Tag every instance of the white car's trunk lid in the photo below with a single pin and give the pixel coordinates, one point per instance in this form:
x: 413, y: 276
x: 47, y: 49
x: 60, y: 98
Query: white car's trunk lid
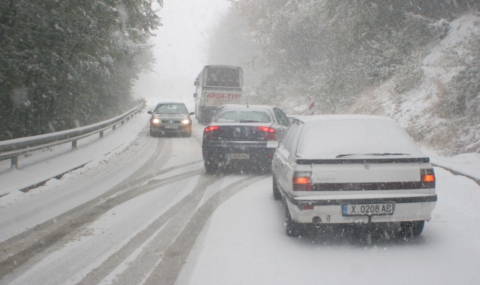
x: 365, y: 173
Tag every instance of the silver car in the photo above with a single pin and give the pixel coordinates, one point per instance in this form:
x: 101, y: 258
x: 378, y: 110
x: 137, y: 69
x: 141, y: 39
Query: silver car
x: 353, y: 170
x: 170, y: 118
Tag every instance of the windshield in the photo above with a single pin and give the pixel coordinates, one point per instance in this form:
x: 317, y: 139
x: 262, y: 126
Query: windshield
x: 222, y: 77
x: 194, y: 142
x: 171, y: 109
x: 243, y: 117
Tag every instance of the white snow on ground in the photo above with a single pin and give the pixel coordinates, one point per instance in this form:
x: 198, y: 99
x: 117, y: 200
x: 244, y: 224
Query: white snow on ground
x: 218, y: 186
x: 44, y: 164
x: 106, y: 236
x: 124, y: 265
x: 466, y: 163
x: 245, y: 243
x: 439, y: 63
x: 112, y: 160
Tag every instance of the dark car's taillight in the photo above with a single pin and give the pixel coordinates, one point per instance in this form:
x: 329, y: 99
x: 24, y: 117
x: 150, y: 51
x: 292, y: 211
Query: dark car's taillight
x: 208, y: 131
x: 301, y: 181
x: 270, y: 133
x: 428, y: 178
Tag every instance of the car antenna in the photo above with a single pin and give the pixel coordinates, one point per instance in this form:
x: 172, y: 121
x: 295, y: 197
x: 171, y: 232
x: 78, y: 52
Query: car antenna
x: 247, y: 101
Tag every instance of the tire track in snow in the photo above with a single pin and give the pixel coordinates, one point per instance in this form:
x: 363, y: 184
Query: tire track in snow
x: 162, y: 152
x: 157, y: 161
x: 54, y: 230
x: 176, y: 217
x: 90, y: 246
x: 20, y: 249
x: 173, y: 258
x: 150, y: 256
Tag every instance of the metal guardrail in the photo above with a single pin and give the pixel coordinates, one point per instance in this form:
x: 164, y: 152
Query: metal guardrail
x: 12, y: 149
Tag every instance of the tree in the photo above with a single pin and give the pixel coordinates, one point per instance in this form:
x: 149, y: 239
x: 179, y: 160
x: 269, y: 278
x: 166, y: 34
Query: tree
x: 69, y: 63
x: 332, y: 49
x: 230, y: 45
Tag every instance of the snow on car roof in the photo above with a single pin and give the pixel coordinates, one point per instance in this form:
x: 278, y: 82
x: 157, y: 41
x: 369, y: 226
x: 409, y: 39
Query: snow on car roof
x: 354, y: 136
x: 245, y: 106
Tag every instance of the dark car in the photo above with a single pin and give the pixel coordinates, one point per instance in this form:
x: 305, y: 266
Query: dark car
x: 243, y: 135
x: 170, y: 118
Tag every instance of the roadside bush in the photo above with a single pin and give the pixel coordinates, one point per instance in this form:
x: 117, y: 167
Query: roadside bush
x: 463, y: 93
x: 408, y: 76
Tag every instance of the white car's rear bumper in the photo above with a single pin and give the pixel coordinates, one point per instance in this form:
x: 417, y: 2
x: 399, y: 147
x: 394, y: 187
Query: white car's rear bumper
x: 418, y: 208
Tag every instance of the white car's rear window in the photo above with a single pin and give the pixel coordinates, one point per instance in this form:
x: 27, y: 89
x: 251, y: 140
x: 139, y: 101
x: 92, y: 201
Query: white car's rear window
x: 354, y: 138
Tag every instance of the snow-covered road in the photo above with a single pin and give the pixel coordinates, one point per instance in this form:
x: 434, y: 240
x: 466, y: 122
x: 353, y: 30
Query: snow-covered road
x: 145, y: 212
x: 245, y: 243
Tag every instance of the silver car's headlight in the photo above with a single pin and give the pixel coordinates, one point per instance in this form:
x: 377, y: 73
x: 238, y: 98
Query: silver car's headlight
x: 185, y: 121
x: 155, y: 121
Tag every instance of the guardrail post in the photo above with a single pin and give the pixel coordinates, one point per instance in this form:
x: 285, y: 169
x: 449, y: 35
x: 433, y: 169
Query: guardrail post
x: 14, y: 162
x: 122, y: 122
x: 74, y: 144
x: 114, y: 127
x: 101, y: 134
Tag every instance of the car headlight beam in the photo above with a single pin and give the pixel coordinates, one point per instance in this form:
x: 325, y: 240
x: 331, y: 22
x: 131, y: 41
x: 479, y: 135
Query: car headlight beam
x: 155, y: 121
x: 185, y: 121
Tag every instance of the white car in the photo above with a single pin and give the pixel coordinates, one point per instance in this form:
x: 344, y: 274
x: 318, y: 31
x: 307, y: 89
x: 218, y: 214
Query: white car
x: 352, y: 169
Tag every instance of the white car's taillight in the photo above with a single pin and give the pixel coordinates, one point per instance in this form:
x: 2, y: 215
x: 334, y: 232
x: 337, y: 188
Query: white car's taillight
x: 427, y: 178
x: 301, y: 181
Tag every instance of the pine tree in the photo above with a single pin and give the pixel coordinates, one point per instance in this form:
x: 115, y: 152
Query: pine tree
x: 69, y: 63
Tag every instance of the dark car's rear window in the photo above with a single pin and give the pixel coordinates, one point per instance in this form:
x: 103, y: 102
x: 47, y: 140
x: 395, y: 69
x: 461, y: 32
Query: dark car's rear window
x: 243, y: 116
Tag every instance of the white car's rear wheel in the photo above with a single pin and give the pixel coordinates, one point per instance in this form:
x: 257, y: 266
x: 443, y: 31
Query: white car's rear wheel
x: 412, y: 229
x: 293, y: 228
x: 276, y: 191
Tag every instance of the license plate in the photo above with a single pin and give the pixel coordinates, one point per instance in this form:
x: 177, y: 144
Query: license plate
x: 272, y: 144
x: 171, y: 127
x: 238, y: 156
x: 367, y: 209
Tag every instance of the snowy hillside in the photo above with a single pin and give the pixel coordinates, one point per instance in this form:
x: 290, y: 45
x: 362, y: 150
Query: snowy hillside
x: 426, y: 110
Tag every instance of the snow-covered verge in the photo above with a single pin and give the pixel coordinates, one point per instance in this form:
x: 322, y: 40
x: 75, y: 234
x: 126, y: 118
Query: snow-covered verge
x: 424, y: 110
x: 467, y: 164
x: 44, y: 164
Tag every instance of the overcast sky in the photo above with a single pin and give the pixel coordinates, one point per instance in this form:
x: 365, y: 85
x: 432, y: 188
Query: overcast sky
x: 180, y: 49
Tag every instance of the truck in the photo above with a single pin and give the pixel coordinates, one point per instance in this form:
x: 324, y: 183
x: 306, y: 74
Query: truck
x: 216, y: 85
